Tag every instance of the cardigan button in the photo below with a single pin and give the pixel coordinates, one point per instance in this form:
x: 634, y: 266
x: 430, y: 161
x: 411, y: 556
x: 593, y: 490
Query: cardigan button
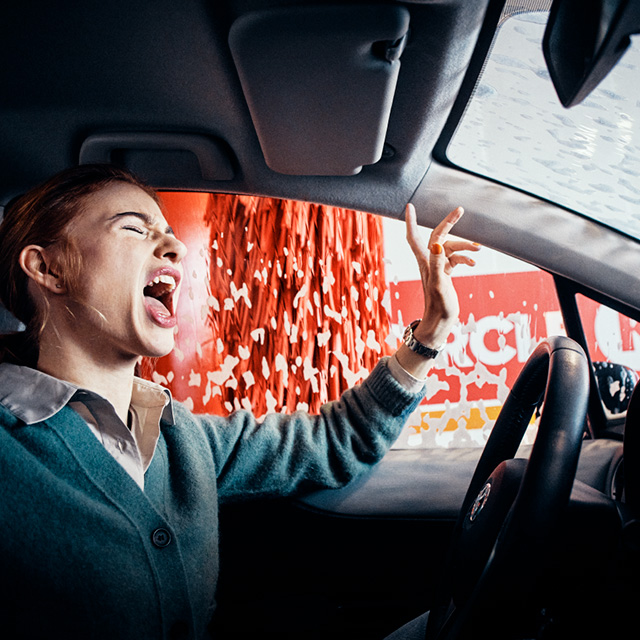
x: 161, y: 538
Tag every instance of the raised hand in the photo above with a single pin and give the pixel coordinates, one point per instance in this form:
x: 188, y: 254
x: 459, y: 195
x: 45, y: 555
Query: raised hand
x: 436, y: 262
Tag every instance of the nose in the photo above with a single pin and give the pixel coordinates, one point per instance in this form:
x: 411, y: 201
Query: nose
x: 172, y: 248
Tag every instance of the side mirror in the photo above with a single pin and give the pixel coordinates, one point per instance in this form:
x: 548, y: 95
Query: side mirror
x: 615, y: 384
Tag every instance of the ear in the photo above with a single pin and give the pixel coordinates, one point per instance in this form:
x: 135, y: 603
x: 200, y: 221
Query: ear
x: 38, y: 264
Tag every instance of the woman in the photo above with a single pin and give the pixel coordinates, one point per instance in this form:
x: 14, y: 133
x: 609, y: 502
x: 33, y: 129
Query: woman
x: 111, y: 491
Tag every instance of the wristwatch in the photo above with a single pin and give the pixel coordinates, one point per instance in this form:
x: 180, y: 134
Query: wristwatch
x: 415, y: 345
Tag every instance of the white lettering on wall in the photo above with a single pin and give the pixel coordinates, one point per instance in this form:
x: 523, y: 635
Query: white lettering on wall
x: 609, y: 338
x: 478, y: 345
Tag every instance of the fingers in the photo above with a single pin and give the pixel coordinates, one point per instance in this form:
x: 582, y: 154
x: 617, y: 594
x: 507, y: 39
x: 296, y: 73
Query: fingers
x: 453, y: 249
x: 439, y: 234
x: 452, y: 246
x: 440, y: 252
x: 417, y: 244
x: 459, y: 258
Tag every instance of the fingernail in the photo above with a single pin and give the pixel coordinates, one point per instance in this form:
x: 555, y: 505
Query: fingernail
x: 436, y: 248
x: 477, y: 244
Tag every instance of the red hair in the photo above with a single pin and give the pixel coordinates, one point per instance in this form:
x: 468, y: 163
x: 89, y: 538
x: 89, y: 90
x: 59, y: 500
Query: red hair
x: 41, y: 217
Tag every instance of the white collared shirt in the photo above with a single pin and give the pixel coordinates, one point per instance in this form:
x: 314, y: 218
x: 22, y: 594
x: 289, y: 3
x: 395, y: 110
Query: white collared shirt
x: 34, y: 396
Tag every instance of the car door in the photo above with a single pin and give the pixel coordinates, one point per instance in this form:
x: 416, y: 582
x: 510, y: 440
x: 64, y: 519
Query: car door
x: 360, y: 561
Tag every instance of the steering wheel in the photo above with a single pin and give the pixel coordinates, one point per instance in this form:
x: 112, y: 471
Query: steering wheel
x: 513, y: 505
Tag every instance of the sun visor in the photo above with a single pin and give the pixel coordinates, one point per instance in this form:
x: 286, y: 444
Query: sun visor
x: 319, y: 83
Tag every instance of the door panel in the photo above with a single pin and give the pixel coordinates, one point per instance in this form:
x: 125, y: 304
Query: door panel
x: 360, y: 561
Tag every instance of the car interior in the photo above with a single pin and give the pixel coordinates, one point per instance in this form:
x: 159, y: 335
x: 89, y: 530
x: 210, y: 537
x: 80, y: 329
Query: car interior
x: 367, y: 106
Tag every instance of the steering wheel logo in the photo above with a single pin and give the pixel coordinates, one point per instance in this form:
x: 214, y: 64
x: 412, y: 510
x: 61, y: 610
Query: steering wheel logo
x: 480, y: 501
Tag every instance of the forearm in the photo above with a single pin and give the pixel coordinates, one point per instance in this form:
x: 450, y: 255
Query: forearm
x: 285, y: 454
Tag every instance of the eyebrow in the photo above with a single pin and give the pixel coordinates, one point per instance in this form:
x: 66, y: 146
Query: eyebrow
x: 145, y: 217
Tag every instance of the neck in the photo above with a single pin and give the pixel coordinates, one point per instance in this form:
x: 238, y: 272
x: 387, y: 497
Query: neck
x: 112, y: 378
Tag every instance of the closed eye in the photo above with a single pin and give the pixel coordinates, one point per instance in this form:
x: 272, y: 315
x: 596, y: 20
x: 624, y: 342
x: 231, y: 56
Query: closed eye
x: 131, y: 227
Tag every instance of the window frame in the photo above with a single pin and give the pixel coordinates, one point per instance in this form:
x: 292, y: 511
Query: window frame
x: 598, y: 426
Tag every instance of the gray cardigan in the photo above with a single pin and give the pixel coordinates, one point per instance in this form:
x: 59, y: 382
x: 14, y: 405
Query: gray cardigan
x: 87, y: 554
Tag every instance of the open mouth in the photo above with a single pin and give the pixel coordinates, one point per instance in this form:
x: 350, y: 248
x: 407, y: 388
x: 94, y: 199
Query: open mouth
x: 158, y: 298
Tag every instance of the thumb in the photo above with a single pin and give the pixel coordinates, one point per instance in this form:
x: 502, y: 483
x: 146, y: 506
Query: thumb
x: 437, y: 260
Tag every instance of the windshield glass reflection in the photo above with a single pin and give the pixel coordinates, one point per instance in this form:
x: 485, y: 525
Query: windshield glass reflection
x: 515, y: 130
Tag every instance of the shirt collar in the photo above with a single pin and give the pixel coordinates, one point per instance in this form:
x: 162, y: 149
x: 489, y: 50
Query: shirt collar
x: 34, y: 396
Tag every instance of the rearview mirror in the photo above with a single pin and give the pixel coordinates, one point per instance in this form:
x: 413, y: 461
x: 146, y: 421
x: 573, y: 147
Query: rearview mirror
x: 583, y: 41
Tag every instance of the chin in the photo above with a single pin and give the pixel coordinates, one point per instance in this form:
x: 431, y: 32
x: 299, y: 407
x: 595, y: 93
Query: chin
x: 153, y: 341
x: 159, y: 350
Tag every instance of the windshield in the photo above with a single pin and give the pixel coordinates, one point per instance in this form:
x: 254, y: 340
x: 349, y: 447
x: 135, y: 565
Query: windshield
x: 515, y: 130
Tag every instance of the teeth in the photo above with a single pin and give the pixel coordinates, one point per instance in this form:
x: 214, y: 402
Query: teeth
x: 165, y: 279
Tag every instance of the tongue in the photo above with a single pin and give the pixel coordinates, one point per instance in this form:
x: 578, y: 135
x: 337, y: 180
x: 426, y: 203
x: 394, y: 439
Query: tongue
x: 156, y: 309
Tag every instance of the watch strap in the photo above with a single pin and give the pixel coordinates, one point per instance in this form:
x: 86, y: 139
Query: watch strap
x: 416, y: 346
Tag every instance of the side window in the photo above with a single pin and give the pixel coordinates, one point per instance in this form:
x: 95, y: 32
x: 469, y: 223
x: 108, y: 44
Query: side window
x: 284, y: 305
x: 506, y: 308
x: 614, y: 346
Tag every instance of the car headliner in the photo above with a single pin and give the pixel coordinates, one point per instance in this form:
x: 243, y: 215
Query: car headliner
x: 89, y: 80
